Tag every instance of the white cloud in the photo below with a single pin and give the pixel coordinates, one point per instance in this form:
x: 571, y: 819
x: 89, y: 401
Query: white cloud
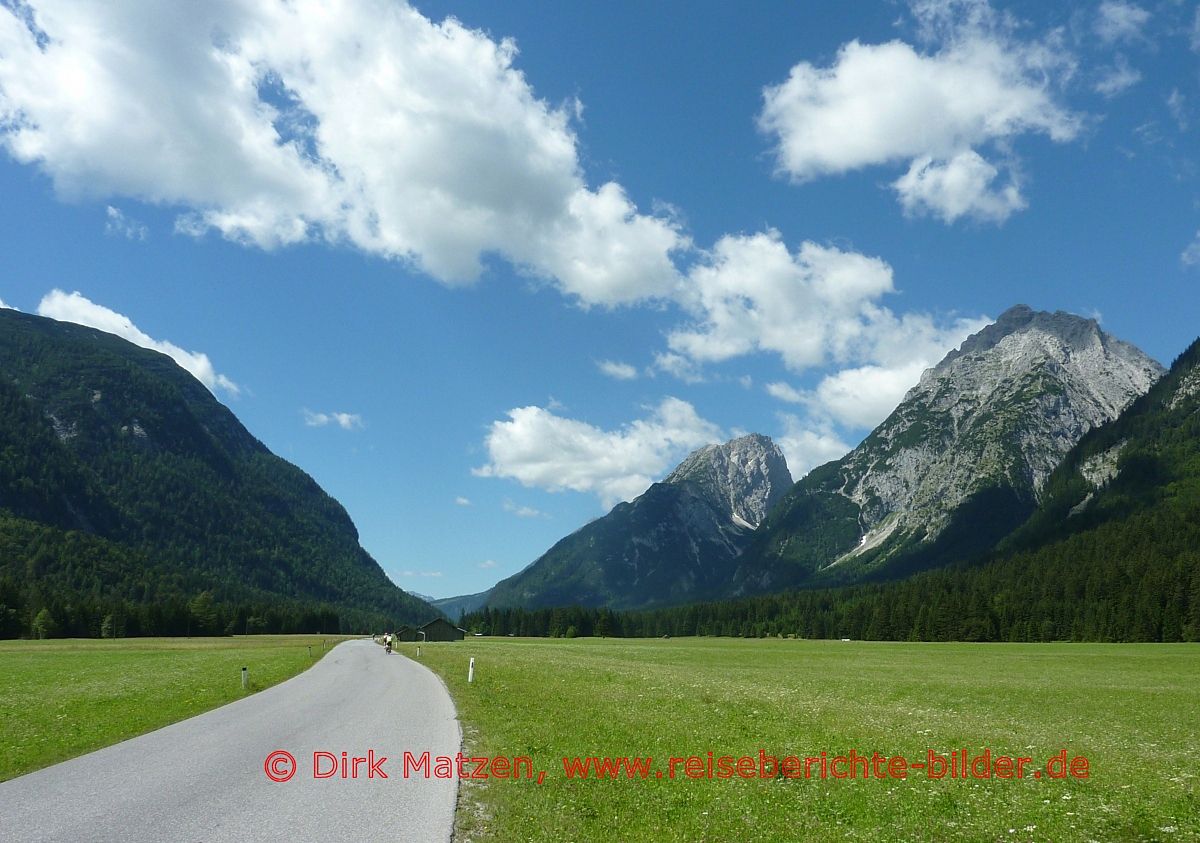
x: 785, y: 392
x: 116, y: 224
x: 346, y: 421
x: 752, y: 294
x: 411, y: 574
x: 275, y: 123
x: 1118, y: 78
x: 815, y: 308
x: 487, y: 564
x: 678, y: 366
x: 617, y: 370
x: 4, y: 306
x: 522, y: 511
x: 806, y: 445
x: 367, y: 124
x: 864, y: 396
x: 540, y: 449
x: 461, y: 501
x: 812, y: 307
x: 1120, y: 21
x: 959, y: 187
x: 1191, y: 255
x: 74, y: 307
x: 882, y: 104
x: 899, y: 350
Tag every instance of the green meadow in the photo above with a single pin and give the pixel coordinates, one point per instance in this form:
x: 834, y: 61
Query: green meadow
x: 62, y: 698
x: 1133, y: 711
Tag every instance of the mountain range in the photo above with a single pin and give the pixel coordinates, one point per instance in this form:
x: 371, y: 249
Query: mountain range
x: 128, y: 493
x: 1111, y: 552
x: 960, y: 463
x: 1043, y: 458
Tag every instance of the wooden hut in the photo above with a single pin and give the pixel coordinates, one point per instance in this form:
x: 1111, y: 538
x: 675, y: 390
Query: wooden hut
x: 442, y: 630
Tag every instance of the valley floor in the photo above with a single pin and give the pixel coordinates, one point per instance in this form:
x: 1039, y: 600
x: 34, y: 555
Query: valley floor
x: 1129, y: 710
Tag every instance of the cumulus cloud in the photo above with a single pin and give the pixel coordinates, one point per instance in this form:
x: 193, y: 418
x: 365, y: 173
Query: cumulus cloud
x: 752, y: 294
x: 806, y: 445
x: 964, y: 186
x: 864, y: 396
x: 77, y: 308
x: 274, y: 123
x: 487, y: 564
x: 346, y: 421
x: 370, y: 125
x: 461, y: 501
x: 1120, y: 21
x: 543, y: 450
x: 882, y: 104
x: 893, y: 352
x: 4, y: 306
x: 116, y: 224
x: 616, y: 370
x: 857, y: 397
x: 812, y: 307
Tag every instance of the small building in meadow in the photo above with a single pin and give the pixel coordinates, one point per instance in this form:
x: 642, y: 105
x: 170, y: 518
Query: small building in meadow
x: 406, y: 633
x: 442, y: 630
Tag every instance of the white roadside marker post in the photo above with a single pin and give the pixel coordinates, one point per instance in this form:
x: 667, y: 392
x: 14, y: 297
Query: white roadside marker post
x: 471, y: 670
x: 245, y: 676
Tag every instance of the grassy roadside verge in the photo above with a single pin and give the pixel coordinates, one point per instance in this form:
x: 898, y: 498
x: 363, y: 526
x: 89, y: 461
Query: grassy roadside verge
x: 62, y: 698
x: 1131, y: 710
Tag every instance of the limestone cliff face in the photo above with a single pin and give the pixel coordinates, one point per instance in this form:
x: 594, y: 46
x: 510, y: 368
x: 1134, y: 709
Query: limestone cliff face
x: 973, y: 441
x: 746, y: 477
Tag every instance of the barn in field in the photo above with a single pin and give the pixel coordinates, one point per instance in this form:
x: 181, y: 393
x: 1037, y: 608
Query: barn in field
x: 442, y: 630
x: 406, y: 633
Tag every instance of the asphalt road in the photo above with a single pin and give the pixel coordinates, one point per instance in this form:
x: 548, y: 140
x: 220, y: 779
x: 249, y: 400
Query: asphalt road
x: 203, y: 779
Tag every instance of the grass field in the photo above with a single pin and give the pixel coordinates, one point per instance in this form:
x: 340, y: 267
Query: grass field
x: 1132, y: 710
x: 62, y: 698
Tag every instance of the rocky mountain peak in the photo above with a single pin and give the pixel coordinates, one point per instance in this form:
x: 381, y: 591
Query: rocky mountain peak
x: 962, y: 460
x: 1003, y: 407
x: 677, y: 542
x: 745, y: 477
x: 1107, y: 372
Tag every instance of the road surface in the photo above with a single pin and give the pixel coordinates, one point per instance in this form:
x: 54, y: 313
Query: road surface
x: 203, y: 779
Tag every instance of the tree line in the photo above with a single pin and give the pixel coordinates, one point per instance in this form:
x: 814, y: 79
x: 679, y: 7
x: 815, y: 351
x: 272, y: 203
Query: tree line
x: 1136, y: 581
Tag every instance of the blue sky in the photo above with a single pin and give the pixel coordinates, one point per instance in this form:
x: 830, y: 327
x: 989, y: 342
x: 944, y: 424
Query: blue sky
x: 485, y: 269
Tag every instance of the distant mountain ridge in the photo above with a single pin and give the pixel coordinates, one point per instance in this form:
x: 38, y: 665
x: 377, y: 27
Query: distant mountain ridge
x: 455, y: 607
x: 125, y: 486
x: 959, y: 463
x: 674, y: 543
